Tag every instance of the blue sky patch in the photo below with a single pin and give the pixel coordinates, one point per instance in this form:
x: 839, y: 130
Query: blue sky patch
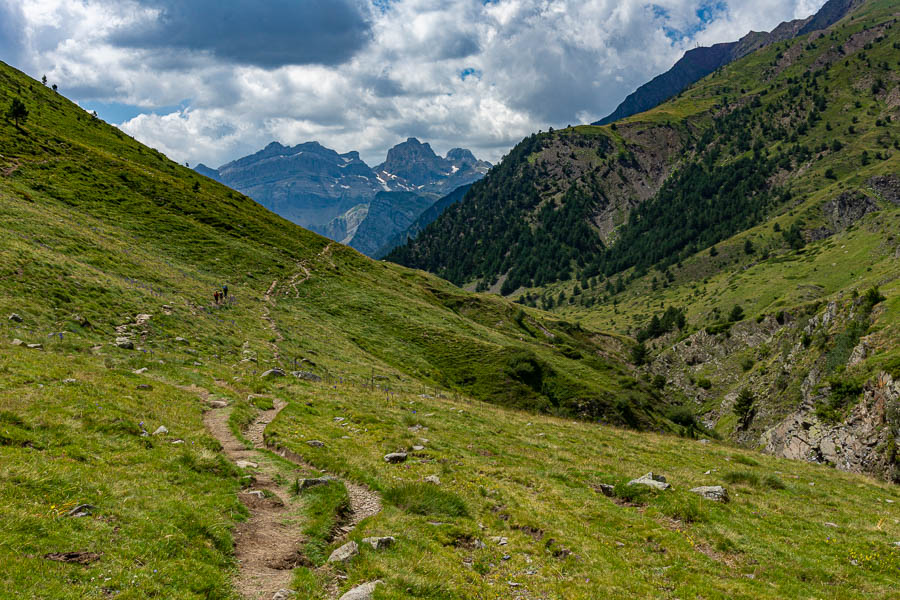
x: 118, y: 112
x: 470, y: 72
x: 706, y: 14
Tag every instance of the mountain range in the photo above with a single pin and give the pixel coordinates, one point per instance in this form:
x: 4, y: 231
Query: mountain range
x: 334, y: 194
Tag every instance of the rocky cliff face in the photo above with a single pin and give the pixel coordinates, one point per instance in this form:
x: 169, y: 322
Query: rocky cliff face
x: 322, y: 190
x: 388, y: 214
x: 307, y: 184
x: 797, y: 412
x: 414, y: 167
x: 864, y: 442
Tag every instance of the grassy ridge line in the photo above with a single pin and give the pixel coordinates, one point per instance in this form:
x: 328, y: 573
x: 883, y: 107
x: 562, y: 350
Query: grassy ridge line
x: 532, y: 480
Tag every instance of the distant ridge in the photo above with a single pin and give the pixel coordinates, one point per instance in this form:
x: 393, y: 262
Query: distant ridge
x: 700, y: 62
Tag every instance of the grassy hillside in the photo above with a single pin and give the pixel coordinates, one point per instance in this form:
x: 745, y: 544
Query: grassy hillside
x: 102, y: 239
x: 121, y: 231
x: 104, y: 243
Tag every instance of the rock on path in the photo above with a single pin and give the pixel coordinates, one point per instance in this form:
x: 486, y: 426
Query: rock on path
x: 362, y: 592
x: 344, y: 553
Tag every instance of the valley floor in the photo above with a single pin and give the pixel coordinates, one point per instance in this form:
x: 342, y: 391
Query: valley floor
x: 514, y: 505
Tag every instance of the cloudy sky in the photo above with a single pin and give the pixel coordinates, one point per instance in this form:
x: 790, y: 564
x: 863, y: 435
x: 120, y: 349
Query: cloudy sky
x: 212, y: 80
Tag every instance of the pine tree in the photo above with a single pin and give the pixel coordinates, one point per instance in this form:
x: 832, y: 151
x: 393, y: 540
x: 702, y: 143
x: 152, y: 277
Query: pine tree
x: 17, y: 112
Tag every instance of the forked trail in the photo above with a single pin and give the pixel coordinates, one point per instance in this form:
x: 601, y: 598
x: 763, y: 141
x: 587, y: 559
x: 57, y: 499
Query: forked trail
x: 269, y: 544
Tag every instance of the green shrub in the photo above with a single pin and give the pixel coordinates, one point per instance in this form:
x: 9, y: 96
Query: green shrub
x: 742, y: 477
x: 744, y: 460
x: 682, y: 416
x: 743, y: 405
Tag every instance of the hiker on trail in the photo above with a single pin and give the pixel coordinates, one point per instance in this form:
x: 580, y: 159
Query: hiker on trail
x: 216, y: 296
x: 225, y: 291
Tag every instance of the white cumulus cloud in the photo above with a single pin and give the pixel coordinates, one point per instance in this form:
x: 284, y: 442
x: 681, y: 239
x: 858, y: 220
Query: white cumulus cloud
x: 480, y: 74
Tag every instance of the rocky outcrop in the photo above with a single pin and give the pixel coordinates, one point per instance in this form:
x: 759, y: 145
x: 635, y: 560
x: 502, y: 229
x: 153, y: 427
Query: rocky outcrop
x: 847, y: 209
x: 651, y: 480
x: 343, y: 227
x: 786, y: 360
x: 887, y: 187
x: 716, y: 493
x: 413, y: 166
x: 864, y: 443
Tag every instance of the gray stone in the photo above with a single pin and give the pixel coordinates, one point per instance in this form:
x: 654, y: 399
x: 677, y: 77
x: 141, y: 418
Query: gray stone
x: 140, y: 371
x: 246, y: 464
x: 217, y: 404
x: 124, y: 343
x: 18, y: 342
x: 650, y: 480
x: 395, y: 457
x: 144, y: 386
x: 305, y: 484
x: 379, y: 542
x: 418, y: 448
x: 306, y: 375
x: 607, y: 490
x: 315, y: 443
x: 16, y: 318
x: 70, y: 380
x: 36, y: 346
x: 433, y: 479
x: 500, y: 540
x: 161, y: 430
x: 82, y: 510
x: 362, y: 592
x: 828, y: 524
x: 284, y: 594
x: 272, y: 373
x: 712, y: 492
x: 344, y: 553
x: 181, y: 340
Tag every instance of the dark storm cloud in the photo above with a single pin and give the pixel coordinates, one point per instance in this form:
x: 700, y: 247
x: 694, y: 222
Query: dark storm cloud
x: 267, y: 34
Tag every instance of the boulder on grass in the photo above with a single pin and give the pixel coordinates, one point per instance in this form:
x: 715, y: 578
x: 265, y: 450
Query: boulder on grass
x: 651, y: 480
